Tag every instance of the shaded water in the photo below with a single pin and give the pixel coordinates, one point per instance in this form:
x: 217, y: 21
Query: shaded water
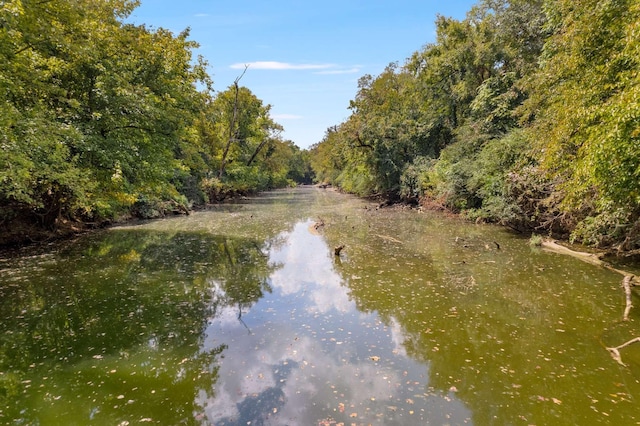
x: 243, y: 315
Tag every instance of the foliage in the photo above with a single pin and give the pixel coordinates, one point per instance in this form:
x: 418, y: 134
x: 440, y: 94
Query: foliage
x: 467, y: 81
x: 415, y: 178
x: 524, y: 113
x: 587, y: 114
x: 490, y: 178
x: 101, y: 118
x: 535, y: 240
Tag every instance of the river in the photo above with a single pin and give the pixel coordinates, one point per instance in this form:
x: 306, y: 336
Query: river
x: 243, y: 315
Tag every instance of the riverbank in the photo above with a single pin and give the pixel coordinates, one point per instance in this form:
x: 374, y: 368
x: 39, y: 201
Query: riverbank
x: 27, y: 232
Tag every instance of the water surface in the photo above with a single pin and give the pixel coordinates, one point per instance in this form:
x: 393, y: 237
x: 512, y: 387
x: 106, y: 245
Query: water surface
x: 242, y: 314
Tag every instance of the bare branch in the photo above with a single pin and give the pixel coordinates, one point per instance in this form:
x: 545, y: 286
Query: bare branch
x: 237, y: 80
x: 615, y: 352
x: 232, y: 124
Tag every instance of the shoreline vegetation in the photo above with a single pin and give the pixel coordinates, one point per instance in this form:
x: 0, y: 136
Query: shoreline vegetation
x: 102, y: 120
x: 525, y: 114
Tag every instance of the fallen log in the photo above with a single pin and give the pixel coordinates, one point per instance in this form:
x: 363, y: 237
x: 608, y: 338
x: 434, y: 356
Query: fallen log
x: 554, y: 247
x: 592, y: 258
x: 627, y: 283
x: 615, y: 352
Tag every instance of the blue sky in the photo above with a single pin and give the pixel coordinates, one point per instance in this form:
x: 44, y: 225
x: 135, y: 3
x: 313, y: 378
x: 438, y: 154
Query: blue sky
x: 304, y: 57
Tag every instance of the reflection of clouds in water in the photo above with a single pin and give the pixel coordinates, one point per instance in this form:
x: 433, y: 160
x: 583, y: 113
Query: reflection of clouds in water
x: 294, y: 378
x: 298, y: 365
x: 307, y: 265
x: 397, y: 337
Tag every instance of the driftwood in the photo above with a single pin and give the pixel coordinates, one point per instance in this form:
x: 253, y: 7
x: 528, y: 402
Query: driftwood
x: 316, y: 226
x: 615, y: 352
x: 592, y: 258
x: 627, y: 283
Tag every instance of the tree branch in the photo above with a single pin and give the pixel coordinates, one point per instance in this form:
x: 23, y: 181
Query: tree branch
x: 258, y: 149
x: 615, y: 352
x: 232, y: 124
x: 361, y: 143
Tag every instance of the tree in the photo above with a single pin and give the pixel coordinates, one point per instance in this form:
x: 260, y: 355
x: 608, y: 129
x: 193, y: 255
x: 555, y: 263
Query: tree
x: 41, y: 173
x: 244, y: 125
x: 586, y: 111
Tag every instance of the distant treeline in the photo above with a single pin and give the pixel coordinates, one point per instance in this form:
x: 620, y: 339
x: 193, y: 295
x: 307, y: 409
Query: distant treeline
x: 525, y: 113
x: 101, y: 119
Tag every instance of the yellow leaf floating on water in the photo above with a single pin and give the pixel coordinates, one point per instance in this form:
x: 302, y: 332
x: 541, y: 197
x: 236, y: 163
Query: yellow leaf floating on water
x: 556, y: 401
x: 374, y: 358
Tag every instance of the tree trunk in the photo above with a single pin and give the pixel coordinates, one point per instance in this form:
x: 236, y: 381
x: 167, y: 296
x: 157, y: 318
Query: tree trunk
x: 232, y: 125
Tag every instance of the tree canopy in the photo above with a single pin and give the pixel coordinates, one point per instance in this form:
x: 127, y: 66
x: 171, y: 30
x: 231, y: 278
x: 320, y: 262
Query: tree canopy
x: 525, y: 113
x: 100, y: 118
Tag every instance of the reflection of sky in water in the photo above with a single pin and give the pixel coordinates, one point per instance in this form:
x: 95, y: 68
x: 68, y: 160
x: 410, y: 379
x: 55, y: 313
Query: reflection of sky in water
x: 308, y: 268
x: 304, y: 355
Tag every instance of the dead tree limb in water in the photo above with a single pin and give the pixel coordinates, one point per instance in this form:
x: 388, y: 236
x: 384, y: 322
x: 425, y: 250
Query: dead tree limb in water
x: 627, y: 283
x: 591, y: 258
x: 316, y: 226
x: 615, y: 352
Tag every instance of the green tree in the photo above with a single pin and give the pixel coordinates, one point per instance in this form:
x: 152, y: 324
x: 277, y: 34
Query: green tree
x: 41, y: 176
x: 93, y: 109
x: 587, y: 112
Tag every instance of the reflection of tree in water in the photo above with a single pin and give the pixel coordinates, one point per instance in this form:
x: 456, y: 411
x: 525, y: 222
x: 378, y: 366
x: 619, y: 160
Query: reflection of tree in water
x: 115, y: 318
x: 242, y: 279
x: 489, y: 344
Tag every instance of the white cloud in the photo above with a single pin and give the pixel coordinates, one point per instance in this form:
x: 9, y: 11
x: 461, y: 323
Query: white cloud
x: 201, y: 15
x: 286, y: 117
x: 275, y: 65
x: 342, y: 71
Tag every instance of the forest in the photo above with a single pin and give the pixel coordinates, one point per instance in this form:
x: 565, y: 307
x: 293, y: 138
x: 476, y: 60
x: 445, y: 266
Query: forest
x: 102, y: 120
x: 526, y: 113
